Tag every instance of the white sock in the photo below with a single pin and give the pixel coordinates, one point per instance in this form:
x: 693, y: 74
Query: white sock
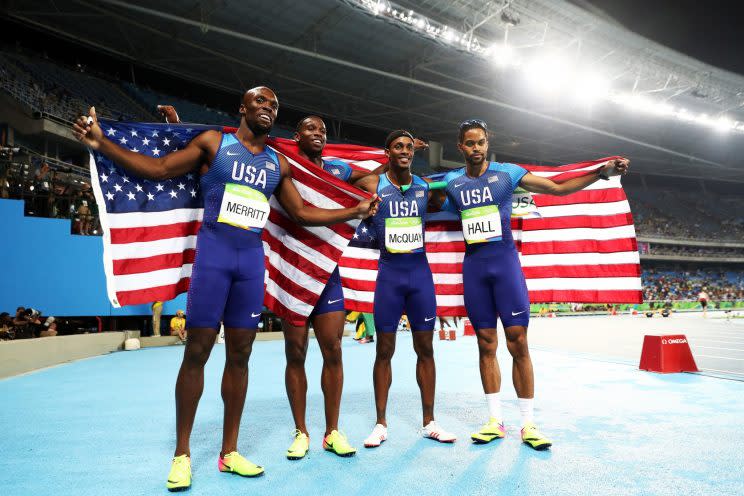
x: 494, y: 405
x: 526, y: 410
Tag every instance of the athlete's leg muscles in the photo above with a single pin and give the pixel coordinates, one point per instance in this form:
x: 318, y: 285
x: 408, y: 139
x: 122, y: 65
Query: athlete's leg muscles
x: 329, y: 329
x: 383, y: 373
x: 295, y: 379
x: 426, y: 374
x: 238, y: 346
x: 190, y: 383
x: 522, y: 374
x: 489, y: 366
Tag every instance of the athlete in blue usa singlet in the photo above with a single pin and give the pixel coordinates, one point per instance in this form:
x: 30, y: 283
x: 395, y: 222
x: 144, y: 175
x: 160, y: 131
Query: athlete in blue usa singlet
x: 227, y: 281
x: 404, y: 282
x: 238, y: 175
x: 494, y: 284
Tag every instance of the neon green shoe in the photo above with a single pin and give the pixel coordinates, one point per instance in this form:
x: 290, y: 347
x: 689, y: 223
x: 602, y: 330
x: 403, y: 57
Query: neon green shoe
x: 494, y: 429
x: 236, y: 464
x: 335, y: 442
x: 179, y: 478
x: 534, y: 439
x: 299, y: 447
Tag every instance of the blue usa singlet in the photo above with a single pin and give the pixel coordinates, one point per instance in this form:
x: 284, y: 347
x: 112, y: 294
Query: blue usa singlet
x: 227, y: 279
x: 493, y: 281
x: 404, y: 279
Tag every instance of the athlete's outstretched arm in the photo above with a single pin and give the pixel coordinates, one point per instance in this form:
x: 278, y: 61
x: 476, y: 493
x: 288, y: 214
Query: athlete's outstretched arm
x: 292, y: 202
x: 537, y: 184
x: 358, y: 175
x: 200, y: 150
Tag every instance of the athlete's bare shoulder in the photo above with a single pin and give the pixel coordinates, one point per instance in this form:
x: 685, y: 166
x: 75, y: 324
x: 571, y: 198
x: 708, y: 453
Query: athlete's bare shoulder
x: 283, y: 165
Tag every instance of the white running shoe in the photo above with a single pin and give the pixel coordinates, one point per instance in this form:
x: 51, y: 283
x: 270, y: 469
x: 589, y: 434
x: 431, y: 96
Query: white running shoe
x: 377, y: 437
x: 435, y: 432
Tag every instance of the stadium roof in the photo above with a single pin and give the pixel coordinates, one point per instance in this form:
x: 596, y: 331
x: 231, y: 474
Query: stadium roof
x: 355, y: 60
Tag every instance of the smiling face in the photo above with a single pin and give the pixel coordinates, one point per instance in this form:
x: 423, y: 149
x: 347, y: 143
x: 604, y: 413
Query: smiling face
x: 259, y: 109
x: 474, y: 146
x: 400, y: 152
x: 311, y: 135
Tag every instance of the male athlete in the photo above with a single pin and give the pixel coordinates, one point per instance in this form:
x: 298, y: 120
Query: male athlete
x: 327, y: 319
x: 404, y: 282
x: 328, y: 316
x: 238, y: 175
x: 494, y: 284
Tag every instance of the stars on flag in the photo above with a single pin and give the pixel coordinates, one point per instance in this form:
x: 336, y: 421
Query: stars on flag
x: 122, y: 190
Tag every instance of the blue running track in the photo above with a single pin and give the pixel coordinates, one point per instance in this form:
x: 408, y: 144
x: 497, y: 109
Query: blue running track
x: 105, y: 426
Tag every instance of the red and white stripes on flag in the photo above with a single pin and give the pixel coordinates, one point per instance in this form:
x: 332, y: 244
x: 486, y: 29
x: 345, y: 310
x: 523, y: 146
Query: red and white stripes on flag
x: 300, y: 259
x: 582, y: 249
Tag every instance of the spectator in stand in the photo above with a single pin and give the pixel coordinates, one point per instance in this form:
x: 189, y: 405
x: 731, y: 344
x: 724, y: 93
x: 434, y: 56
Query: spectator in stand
x: 157, y: 312
x: 50, y: 328
x: 178, y: 326
x: 6, y: 326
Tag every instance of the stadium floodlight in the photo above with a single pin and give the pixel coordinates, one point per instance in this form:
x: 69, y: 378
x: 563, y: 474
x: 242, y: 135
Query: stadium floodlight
x: 549, y: 73
x: 503, y: 55
x: 421, y: 24
x: 589, y: 87
x: 723, y: 124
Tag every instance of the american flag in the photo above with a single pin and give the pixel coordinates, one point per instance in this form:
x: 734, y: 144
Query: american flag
x: 581, y: 248
x: 149, y: 227
x: 150, y: 233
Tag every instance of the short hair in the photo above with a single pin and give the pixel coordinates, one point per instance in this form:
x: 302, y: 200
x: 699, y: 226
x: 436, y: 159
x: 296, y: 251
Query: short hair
x: 397, y: 134
x: 471, y: 124
x: 301, y: 121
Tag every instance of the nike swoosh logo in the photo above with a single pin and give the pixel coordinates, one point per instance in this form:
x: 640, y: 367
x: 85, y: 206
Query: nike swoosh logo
x: 255, y: 314
x: 331, y: 302
x: 232, y: 154
x: 430, y: 318
x: 515, y: 314
x: 458, y: 185
x: 385, y: 196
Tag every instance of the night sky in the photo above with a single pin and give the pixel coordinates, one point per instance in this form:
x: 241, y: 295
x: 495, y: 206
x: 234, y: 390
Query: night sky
x: 709, y: 30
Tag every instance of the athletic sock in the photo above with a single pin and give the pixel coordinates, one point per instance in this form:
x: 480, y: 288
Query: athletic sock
x: 526, y: 410
x: 494, y: 405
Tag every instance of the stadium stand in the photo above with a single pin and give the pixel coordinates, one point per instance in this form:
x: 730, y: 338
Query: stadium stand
x: 679, y: 283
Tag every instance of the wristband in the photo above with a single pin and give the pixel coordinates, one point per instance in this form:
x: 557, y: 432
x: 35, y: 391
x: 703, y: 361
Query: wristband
x: 432, y: 185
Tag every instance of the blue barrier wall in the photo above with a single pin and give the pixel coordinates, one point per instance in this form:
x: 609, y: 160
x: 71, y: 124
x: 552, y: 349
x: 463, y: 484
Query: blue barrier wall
x: 47, y: 268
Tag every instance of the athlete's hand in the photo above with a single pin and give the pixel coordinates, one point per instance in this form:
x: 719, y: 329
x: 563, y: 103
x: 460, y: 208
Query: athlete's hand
x: 419, y: 144
x: 87, y: 131
x: 368, y: 208
x: 170, y: 114
x: 617, y: 167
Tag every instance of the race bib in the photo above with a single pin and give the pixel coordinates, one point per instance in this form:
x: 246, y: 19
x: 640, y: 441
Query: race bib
x: 523, y: 205
x: 243, y: 207
x: 404, y: 234
x: 481, y: 224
